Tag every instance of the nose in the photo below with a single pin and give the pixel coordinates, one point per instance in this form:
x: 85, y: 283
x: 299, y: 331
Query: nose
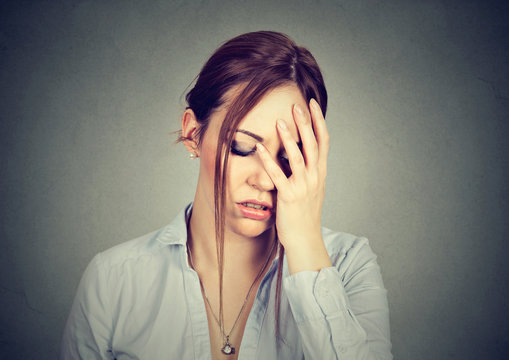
x: 259, y: 179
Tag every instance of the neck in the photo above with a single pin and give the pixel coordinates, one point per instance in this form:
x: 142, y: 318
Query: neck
x: 240, y: 252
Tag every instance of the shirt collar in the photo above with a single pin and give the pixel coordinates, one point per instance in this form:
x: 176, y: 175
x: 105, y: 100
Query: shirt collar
x: 176, y: 232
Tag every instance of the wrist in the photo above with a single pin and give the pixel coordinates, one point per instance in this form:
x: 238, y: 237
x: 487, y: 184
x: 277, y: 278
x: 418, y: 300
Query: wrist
x: 307, y: 256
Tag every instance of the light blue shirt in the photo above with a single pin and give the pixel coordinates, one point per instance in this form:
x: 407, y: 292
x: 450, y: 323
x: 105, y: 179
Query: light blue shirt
x: 142, y: 300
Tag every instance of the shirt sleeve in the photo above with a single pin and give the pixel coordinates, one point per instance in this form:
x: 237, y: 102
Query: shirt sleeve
x: 341, y: 311
x: 88, y: 328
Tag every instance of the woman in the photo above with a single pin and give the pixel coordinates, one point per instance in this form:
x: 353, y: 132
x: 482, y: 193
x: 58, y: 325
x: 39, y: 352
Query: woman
x: 212, y: 284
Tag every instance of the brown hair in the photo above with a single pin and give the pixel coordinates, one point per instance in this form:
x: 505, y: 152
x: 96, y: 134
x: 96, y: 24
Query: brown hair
x: 255, y: 62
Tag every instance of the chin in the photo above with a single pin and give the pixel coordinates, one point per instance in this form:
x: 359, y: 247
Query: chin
x: 251, y: 228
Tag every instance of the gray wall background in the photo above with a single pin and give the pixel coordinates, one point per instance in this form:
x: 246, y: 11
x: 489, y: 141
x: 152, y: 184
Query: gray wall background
x: 419, y: 104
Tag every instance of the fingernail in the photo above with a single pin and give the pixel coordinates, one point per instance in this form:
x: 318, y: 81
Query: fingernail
x: 314, y: 103
x: 260, y: 147
x: 302, y: 118
x: 281, y: 123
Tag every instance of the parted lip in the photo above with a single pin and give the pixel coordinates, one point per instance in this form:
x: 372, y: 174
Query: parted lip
x: 257, y: 202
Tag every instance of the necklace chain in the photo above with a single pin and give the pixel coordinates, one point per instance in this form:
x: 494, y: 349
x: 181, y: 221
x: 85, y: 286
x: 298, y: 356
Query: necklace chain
x: 221, y: 326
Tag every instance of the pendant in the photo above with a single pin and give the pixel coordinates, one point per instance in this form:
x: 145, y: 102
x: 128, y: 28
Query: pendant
x: 227, y: 348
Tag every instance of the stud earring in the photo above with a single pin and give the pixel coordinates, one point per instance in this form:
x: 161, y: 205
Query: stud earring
x: 193, y: 156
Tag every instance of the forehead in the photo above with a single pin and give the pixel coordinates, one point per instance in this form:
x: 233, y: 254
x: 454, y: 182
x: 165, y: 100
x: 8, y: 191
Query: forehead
x: 276, y: 104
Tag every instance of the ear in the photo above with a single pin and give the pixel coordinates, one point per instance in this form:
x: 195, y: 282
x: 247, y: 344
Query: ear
x: 190, y: 126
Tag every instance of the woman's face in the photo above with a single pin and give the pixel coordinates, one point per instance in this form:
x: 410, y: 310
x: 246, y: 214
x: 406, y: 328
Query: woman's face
x: 248, y: 186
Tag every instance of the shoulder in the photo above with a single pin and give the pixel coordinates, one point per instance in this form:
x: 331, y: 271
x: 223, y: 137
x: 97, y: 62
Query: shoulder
x: 145, y: 246
x: 131, y: 267
x: 154, y: 248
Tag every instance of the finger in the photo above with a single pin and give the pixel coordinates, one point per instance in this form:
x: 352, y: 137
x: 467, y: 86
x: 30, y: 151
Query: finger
x: 293, y: 152
x: 277, y: 175
x: 307, y: 135
x: 322, y: 135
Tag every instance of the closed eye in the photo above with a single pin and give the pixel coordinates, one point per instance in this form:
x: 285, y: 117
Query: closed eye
x: 236, y: 149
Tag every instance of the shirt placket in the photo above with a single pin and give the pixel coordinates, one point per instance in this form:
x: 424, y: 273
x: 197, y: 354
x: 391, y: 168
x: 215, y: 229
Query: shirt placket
x: 251, y: 336
x: 197, y: 311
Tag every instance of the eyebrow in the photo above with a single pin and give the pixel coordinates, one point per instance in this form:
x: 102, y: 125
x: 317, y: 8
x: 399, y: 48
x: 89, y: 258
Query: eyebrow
x: 259, y: 138
x: 256, y: 137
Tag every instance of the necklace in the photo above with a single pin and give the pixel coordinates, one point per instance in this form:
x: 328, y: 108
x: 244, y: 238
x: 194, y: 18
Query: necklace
x: 227, y: 348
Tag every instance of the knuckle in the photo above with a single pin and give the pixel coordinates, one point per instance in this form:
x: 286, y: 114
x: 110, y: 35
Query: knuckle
x: 276, y: 175
x: 314, y: 146
x: 313, y: 181
x: 298, y: 160
x: 290, y: 197
x: 273, y: 170
x: 326, y: 138
x: 304, y: 119
x: 279, y: 177
x: 285, y: 196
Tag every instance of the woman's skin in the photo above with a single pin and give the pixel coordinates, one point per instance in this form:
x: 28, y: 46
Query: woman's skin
x: 267, y: 165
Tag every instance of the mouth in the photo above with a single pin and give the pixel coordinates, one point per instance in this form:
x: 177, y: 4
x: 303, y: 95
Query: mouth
x: 254, y: 206
x: 255, y: 210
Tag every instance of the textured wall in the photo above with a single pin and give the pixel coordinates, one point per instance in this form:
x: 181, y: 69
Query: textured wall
x: 419, y: 105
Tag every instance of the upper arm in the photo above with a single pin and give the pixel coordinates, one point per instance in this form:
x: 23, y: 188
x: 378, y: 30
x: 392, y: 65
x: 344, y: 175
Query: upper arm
x: 87, y: 333
x: 367, y: 295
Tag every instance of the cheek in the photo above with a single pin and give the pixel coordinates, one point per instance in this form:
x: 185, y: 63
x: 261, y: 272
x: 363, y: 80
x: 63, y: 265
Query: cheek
x: 233, y: 172
x: 239, y: 169
x: 208, y: 161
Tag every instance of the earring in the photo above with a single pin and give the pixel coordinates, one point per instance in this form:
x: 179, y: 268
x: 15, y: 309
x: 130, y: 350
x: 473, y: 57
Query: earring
x: 193, y: 156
